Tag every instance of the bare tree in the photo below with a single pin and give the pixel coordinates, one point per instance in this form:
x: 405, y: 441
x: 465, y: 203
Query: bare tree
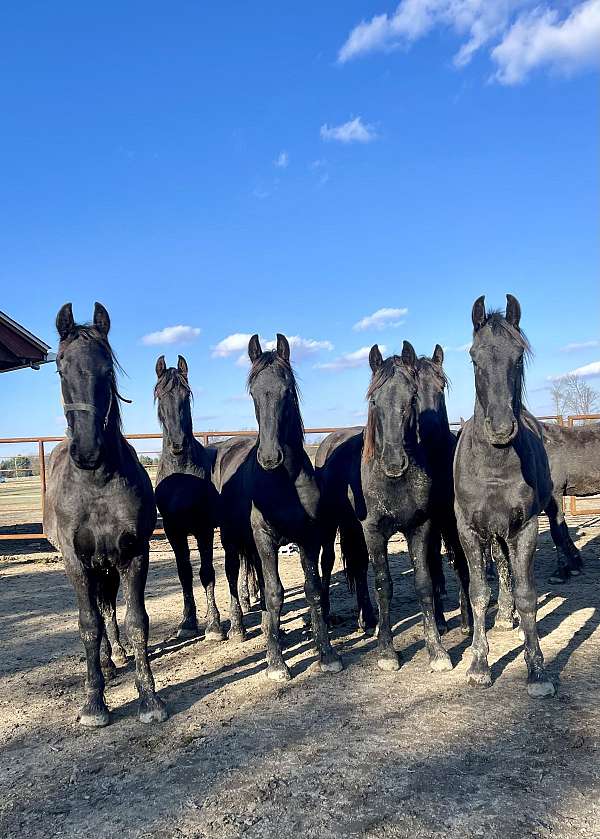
x: 571, y: 394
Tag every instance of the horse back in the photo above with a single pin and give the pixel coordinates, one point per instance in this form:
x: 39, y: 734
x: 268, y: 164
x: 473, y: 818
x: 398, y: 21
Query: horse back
x: 574, y: 458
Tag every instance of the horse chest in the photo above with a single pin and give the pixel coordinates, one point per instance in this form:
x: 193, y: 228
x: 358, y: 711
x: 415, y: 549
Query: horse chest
x: 499, y: 508
x: 101, y: 527
x: 404, y: 503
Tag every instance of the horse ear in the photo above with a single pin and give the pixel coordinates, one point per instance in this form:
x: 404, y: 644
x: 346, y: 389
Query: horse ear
x: 65, y: 322
x: 283, y: 347
x: 478, y: 313
x: 438, y: 355
x: 254, y: 348
x: 161, y: 366
x: 409, y: 356
x: 101, y: 319
x: 375, y: 358
x: 513, y: 310
x: 182, y: 366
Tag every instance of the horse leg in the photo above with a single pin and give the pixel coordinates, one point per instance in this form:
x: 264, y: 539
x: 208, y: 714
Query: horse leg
x: 151, y: 707
x: 243, y: 586
x: 436, y: 571
x: 237, y: 632
x: 568, y: 558
x: 266, y: 544
x: 94, y: 712
x: 505, y: 616
x: 188, y: 628
x: 458, y: 561
x: 387, y: 657
x: 213, y: 631
x: 521, y: 550
x: 420, y: 547
x: 478, y: 672
x: 327, y: 563
x: 309, y: 556
x: 108, y: 606
x: 356, y: 558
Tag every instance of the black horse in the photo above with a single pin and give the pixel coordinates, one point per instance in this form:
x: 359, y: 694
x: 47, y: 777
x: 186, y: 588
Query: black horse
x: 185, y: 494
x: 502, y: 483
x: 100, y: 510
x: 378, y: 482
x: 440, y: 443
x: 574, y: 457
x: 269, y: 497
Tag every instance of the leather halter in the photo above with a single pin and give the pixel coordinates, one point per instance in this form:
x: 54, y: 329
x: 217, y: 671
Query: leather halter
x: 91, y: 409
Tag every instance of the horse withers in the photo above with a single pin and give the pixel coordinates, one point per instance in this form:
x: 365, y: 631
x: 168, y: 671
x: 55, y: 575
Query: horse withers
x: 502, y: 483
x: 185, y: 495
x: 269, y: 497
x: 100, y: 511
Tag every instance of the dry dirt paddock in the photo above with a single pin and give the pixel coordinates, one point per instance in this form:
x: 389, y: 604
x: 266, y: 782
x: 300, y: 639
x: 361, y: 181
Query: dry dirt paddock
x: 361, y: 754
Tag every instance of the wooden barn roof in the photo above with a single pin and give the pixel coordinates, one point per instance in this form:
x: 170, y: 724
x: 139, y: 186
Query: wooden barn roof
x: 19, y: 348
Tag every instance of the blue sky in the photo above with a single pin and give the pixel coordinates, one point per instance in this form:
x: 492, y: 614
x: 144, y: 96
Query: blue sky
x: 236, y: 168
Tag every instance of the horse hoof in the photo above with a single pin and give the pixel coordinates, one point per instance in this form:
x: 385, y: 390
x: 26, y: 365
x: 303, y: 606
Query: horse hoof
x: 236, y: 635
x: 465, y: 630
x: 504, y: 624
x: 440, y: 663
x: 479, y: 678
x: 278, y: 673
x: 119, y: 656
x: 151, y: 710
x: 576, y: 572
x: 389, y: 664
x: 539, y: 690
x: 185, y: 632
x: 334, y: 665
x: 94, y: 716
x: 214, y: 634
x: 109, y: 671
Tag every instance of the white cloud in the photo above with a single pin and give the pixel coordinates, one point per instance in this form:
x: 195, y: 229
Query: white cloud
x: 583, y: 345
x: 282, y: 161
x: 381, y: 319
x: 300, y: 347
x: 172, y: 335
x: 526, y: 33
x: 540, y: 37
x: 349, y: 360
x: 587, y: 371
x: 353, y: 131
x: 231, y: 344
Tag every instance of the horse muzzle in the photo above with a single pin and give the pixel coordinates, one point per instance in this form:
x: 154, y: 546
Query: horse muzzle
x: 502, y: 436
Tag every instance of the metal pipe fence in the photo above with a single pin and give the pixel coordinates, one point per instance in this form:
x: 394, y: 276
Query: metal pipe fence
x: 24, y: 494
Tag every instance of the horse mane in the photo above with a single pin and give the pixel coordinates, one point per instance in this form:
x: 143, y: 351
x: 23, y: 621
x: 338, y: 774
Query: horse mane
x: 268, y: 359
x: 89, y: 332
x: 498, y: 324
x: 379, y: 378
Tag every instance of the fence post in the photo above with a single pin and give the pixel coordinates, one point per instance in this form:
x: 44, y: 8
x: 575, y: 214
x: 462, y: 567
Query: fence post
x: 42, y: 476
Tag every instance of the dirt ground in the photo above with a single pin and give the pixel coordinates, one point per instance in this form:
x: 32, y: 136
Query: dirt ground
x: 359, y: 754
